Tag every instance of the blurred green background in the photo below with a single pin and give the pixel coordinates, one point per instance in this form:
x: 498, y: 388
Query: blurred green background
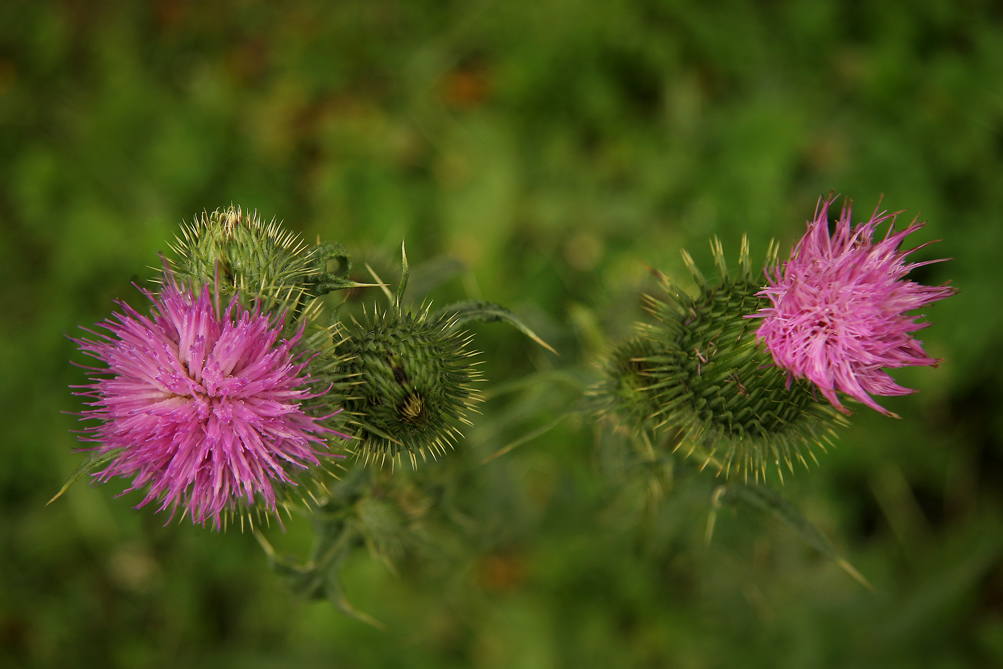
x: 554, y: 146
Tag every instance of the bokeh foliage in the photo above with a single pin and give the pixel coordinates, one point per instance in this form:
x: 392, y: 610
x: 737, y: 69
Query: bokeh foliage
x: 553, y: 146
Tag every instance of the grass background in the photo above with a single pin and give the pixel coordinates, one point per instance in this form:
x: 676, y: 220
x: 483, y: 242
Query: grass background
x: 553, y: 146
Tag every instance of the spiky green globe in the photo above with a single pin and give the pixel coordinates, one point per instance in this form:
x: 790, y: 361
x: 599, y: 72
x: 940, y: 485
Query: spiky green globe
x: 411, y: 379
x: 237, y: 252
x: 718, y: 388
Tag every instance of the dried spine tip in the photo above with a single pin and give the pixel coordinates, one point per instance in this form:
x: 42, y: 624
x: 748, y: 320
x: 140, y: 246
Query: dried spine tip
x: 411, y: 383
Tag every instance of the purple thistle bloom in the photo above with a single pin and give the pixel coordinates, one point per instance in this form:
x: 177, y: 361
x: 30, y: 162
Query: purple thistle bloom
x: 203, y: 408
x: 839, y: 308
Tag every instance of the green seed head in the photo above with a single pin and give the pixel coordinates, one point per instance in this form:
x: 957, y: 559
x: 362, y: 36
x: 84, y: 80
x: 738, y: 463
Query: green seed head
x: 720, y: 389
x: 412, y: 379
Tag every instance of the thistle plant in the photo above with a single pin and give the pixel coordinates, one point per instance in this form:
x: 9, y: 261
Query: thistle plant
x: 735, y: 370
x: 231, y: 398
x: 241, y: 391
x: 747, y: 372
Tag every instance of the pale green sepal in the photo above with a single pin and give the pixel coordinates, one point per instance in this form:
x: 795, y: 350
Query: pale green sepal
x: 405, y: 273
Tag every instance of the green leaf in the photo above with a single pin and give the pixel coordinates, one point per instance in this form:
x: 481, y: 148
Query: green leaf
x: 769, y: 501
x: 90, y: 463
x: 336, y: 595
x: 329, y: 283
x: 319, y: 578
x: 302, y: 579
x: 332, y: 251
x: 430, y: 275
x: 488, y: 312
x: 324, y: 282
x: 405, y: 273
x: 540, y: 431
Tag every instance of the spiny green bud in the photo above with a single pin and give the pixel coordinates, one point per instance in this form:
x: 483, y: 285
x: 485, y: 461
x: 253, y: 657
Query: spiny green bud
x: 411, y: 378
x: 390, y: 517
x: 241, y: 252
x: 625, y: 392
x: 717, y: 387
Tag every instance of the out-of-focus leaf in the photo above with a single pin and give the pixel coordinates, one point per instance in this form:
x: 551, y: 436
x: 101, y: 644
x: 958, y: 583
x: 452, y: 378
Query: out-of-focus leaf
x: 769, y: 501
x: 529, y: 436
x: 90, y: 463
x: 336, y: 595
x: 489, y: 312
x: 430, y: 275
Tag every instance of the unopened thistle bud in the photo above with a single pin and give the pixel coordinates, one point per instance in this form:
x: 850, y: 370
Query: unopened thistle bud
x: 716, y: 387
x: 242, y: 255
x: 411, y: 376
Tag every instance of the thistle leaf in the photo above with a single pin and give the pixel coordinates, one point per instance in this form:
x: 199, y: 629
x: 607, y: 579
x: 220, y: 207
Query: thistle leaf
x: 430, y: 275
x: 529, y: 436
x: 324, y: 282
x: 329, y: 283
x: 333, y: 251
x: 319, y: 579
x: 90, y: 463
x: 336, y: 595
x: 768, y: 501
x: 405, y: 273
x: 304, y: 580
x: 488, y: 312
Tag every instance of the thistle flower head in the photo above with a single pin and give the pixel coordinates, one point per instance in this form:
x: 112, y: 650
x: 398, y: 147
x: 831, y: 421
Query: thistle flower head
x: 413, y: 381
x: 204, y: 408
x: 716, y: 387
x: 838, y: 308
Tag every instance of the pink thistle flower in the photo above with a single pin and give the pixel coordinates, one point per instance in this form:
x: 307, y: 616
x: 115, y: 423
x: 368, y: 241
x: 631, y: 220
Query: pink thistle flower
x: 203, y: 408
x: 839, y: 308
